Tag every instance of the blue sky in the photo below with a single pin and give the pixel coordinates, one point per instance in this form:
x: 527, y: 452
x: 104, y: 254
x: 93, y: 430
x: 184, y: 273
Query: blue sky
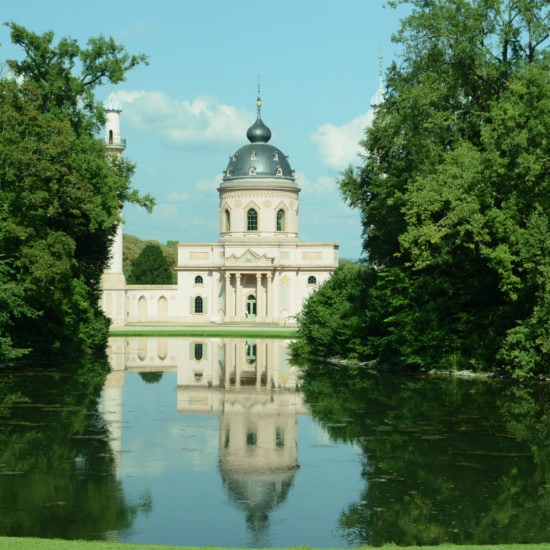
x: 188, y: 111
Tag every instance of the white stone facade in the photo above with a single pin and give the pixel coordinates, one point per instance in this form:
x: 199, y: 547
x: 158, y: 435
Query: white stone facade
x: 258, y: 272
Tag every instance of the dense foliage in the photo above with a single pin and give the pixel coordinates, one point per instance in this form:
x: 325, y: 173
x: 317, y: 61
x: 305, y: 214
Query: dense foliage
x: 454, y: 193
x: 461, y: 460
x: 61, y: 192
x: 331, y: 323
x: 151, y: 267
x: 58, y: 471
x: 133, y: 246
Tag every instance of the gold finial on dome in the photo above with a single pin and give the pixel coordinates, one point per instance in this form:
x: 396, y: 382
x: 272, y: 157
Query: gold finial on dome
x: 259, y: 132
x: 259, y: 100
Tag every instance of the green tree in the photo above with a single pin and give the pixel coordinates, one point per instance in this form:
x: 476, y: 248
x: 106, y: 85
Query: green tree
x: 151, y: 377
x: 331, y: 319
x: 454, y: 191
x: 61, y: 192
x: 60, y: 446
x: 421, y: 438
x: 132, y: 247
x: 151, y: 267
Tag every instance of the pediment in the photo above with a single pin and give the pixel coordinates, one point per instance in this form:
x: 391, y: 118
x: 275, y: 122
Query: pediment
x: 249, y: 258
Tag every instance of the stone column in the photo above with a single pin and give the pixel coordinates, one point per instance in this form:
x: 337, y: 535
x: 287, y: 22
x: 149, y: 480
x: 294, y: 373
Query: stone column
x: 260, y: 302
x: 239, y: 298
x: 228, y: 295
x: 260, y: 362
x: 112, y: 413
x: 238, y: 361
x: 229, y: 361
x: 271, y: 364
x: 270, y: 308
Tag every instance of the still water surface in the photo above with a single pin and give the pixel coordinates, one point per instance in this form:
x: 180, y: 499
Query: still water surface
x: 221, y: 442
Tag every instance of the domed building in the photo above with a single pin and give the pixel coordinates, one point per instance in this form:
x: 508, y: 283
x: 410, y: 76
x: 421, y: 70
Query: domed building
x: 258, y: 271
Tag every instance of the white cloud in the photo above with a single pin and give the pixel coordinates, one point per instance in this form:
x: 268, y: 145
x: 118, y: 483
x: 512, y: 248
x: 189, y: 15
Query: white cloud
x: 210, y: 185
x: 166, y: 212
x: 175, y: 196
x: 202, y: 120
x: 321, y: 186
x: 339, y: 145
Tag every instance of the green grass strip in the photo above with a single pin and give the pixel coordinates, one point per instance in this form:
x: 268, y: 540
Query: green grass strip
x: 207, y: 333
x: 57, y: 544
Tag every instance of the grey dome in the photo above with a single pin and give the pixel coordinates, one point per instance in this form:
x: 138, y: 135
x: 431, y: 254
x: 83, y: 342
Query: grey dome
x: 258, y: 132
x: 258, y: 159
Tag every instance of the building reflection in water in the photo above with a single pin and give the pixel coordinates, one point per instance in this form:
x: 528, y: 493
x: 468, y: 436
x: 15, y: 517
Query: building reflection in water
x: 250, y: 385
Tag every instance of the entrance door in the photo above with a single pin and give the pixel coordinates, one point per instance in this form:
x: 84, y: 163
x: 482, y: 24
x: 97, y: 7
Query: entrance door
x: 251, y: 307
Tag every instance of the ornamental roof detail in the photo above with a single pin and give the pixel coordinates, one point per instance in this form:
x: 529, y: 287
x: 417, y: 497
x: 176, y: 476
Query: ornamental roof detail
x: 249, y: 258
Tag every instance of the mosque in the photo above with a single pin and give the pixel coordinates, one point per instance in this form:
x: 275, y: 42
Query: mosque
x: 258, y: 272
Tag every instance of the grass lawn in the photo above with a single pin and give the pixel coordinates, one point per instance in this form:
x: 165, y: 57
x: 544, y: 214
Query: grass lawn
x: 206, y: 332
x: 56, y: 544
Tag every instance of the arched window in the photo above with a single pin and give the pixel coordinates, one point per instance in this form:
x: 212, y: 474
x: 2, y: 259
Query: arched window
x: 311, y: 280
x: 251, y: 438
x: 281, y: 220
x: 198, y: 304
x: 252, y: 220
x: 227, y: 220
x: 251, y: 305
x: 110, y: 137
x: 198, y: 352
x: 142, y: 307
x: 162, y: 348
x: 198, y: 280
x: 250, y: 352
x: 162, y: 307
x: 280, y: 436
x: 142, y: 349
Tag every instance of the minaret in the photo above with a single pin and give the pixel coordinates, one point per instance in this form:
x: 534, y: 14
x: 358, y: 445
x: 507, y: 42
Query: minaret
x: 113, y: 283
x: 111, y: 399
x: 378, y: 98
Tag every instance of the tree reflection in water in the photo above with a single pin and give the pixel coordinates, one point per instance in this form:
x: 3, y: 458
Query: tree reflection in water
x: 445, y: 460
x: 453, y: 460
x: 57, y: 471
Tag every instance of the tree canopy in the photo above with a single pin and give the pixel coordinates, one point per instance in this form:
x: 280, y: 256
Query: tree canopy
x: 61, y: 192
x: 133, y: 246
x: 454, y: 191
x: 151, y: 267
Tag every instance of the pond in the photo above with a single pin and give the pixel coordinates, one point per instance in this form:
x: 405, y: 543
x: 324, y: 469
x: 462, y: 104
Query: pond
x: 196, y: 441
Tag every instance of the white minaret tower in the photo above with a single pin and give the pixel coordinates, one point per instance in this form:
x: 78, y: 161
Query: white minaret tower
x: 378, y: 98
x: 113, y: 283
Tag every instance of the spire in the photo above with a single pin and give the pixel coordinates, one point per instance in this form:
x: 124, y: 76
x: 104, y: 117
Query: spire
x: 259, y: 99
x: 113, y: 103
x: 259, y: 132
x: 378, y: 98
